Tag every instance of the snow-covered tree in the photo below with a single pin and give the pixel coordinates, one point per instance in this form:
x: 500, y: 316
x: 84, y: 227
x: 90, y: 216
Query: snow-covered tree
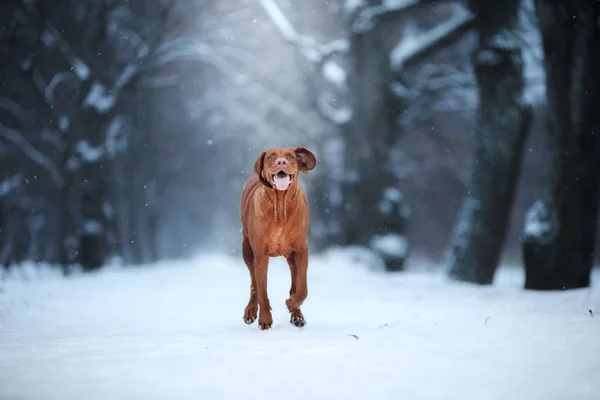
x: 68, y: 106
x: 561, y: 228
x: 380, y: 95
x: 362, y: 92
x: 503, y: 123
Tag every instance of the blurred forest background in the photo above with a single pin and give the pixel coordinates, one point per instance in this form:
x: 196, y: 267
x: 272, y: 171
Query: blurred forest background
x: 459, y: 133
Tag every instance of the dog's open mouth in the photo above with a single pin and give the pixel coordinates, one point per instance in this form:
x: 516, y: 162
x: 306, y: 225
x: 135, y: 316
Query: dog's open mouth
x: 281, y: 180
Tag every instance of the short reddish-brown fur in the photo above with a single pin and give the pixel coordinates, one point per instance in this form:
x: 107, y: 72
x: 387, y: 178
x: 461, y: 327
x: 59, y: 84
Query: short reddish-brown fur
x: 275, y: 223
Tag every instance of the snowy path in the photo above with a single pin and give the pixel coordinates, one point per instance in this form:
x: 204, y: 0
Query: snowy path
x: 175, y: 331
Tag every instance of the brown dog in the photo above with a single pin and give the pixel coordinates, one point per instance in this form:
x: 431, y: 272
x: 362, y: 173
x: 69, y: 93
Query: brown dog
x: 275, y: 221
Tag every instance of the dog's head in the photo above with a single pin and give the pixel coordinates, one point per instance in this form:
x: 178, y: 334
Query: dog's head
x: 279, y: 168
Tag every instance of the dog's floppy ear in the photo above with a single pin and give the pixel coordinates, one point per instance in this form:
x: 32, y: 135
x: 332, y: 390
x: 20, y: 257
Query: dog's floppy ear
x: 307, y: 159
x: 258, y: 169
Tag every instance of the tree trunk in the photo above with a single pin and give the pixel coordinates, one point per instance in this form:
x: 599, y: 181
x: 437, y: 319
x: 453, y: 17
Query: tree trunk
x: 503, y: 124
x: 94, y: 247
x: 69, y: 210
x: 560, y: 230
x: 368, y: 212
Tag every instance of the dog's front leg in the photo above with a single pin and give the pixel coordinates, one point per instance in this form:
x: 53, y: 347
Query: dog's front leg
x: 261, y: 267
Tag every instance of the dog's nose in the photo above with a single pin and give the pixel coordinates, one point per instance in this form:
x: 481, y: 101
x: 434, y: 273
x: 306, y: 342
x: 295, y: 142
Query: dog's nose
x: 281, y: 161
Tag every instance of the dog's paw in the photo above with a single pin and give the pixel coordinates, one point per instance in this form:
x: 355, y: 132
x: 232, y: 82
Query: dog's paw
x: 250, y: 314
x: 297, y: 319
x: 265, y: 324
x: 265, y: 321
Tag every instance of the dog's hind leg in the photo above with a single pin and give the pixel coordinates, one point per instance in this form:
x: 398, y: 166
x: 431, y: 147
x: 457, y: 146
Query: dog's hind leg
x: 296, y: 317
x: 293, y: 272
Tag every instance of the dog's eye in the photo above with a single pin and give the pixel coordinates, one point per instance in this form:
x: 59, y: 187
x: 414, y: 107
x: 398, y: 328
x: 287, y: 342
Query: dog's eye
x: 271, y: 157
x: 290, y: 157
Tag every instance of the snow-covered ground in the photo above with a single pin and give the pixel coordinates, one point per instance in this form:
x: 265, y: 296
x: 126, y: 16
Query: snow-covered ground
x: 175, y: 331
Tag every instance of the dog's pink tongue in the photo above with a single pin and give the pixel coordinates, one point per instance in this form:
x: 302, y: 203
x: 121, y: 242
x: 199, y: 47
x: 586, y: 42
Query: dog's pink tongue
x: 282, y: 182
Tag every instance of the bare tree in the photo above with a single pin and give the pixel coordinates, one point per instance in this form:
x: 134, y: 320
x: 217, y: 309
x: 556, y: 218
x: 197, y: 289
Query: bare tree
x: 375, y: 213
x: 77, y: 67
x: 561, y: 228
x: 357, y: 80
x: 503, y: 124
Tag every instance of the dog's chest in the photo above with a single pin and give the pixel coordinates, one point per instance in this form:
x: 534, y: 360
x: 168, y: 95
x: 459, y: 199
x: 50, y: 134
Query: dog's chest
x: 281, y: 239
x: 282, y: 226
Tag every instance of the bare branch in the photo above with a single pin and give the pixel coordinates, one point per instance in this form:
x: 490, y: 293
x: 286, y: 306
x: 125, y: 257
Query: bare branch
x: 280, y: 20
x: 367, y: 17
x: 195, y: 48
x: 415, y: 47
x: 54, y: 138
x: 336, y: 75
x: 116, y: 141
x: 307, y: 46
x: 192, y: 48
x: 8, y: 184
x: 189, y: 49
x: 79, y: 66
x: 14, y: 108
x: 279, y: 103
x: 436, y: 78
x: 316, y: 53
x: 89, y: 153
x: 39, y: 82
x: 104, y: 100
x: 439, y: 88
x: 55, y: 81
x: 34, y: 154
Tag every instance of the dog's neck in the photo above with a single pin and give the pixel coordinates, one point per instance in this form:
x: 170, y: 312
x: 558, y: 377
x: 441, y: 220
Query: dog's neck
x: 283, y: 201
